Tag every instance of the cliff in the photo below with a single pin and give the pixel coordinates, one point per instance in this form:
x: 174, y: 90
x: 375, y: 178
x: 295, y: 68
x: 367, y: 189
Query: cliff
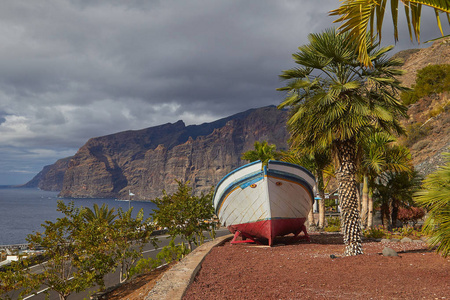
x: 51, y: 177
x: 149, y: 160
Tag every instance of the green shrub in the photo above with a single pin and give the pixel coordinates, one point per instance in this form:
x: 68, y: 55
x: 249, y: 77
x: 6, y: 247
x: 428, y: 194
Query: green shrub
x: 381, y: 232
x: 416, y: 132
x: 167, y: 254
x: 375, y: 233
x: 334, y: 221
x: 332, y: 228
x: 409, y: 97
x: 430, y: 80
x: 333, y: 224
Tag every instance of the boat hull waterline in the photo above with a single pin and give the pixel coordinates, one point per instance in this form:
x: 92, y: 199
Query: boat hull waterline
x: 265, y: 202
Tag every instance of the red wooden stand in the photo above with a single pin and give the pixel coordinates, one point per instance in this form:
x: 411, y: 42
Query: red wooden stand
x: 245, y: 238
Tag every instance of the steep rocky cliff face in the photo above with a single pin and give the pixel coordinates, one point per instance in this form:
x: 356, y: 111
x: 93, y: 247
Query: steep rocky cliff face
x: 51, y: 177
x: 147, y: 161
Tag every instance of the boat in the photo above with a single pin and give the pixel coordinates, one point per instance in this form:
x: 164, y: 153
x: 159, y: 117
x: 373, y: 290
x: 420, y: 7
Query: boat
x: 263, y: 202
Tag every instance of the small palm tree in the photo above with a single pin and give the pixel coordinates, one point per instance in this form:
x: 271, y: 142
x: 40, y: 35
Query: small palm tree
x: 263, y: 152
x: 394, y: 190
x: 435, y: 197
x: 334, y: 102
x: 359, y: 16
x: 100, y: 213
x: 380, y: 154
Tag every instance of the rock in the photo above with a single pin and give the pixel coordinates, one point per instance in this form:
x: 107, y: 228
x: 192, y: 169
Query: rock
x: 150, y: 160
x: 395, y: 240
x: 385, y: 240
x: 424, y: 239
x: 406, y: 240
x: 417, y: 241
x: 389, y: 252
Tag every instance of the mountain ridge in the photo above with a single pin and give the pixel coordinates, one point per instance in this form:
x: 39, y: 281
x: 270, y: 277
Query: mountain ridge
x: 146, y: 161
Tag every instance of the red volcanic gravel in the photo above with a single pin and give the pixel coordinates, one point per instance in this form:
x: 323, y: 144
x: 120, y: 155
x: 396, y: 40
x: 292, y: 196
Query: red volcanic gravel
x: 305, y: 270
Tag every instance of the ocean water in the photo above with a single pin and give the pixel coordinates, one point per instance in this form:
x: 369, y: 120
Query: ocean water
x: 23, y: 210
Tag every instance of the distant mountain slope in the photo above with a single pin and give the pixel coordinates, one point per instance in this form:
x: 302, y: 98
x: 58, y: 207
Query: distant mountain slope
x: 149, y: 160
x: 51, y: 177
x: 429, y: 118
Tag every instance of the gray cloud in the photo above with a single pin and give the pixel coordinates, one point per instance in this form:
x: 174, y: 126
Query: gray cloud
x: 71, y: 70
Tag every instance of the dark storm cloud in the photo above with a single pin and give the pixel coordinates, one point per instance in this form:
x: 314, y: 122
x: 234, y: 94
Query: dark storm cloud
x: 71, y: 70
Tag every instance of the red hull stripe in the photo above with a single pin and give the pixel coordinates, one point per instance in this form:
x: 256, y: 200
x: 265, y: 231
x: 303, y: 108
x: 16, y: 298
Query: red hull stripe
x: 269, y: 229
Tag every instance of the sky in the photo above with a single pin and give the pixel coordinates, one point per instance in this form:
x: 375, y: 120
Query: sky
x: 75, y: 69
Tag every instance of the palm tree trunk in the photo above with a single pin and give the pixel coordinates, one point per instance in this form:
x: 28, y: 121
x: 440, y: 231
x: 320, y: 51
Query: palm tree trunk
x: 365, y: 200
x: 321, y: 212
x: 385, y: 215
x: 348, y: 194
x: 394, y: 213
x: 370, y: 209
x: 311, y: 217
x: 322, y: 199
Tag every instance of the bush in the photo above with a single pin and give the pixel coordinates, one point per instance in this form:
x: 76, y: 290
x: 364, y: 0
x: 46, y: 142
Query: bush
x: 410, y: 214
x: 430, y: 80
x: 381, y: 232
x: 332, y: 228
x: 333, y: 224
x: 409, y: 97
x: 420, y: 145
x: 416, y: 132
x: 375, y: 233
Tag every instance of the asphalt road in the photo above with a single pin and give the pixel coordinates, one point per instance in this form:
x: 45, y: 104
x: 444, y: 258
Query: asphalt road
x: 112, y: 278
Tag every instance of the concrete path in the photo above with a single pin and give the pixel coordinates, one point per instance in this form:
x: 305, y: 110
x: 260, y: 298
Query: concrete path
x: 175, y: 282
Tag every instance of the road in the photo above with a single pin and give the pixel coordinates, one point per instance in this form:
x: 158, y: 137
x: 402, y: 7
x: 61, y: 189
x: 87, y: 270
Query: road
x: 112, y: 278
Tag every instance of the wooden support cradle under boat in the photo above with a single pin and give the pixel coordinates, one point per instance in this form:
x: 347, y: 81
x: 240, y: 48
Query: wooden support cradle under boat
x: 257, y: 201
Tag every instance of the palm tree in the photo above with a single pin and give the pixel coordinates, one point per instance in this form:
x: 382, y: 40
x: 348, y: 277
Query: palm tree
x: 263, y: 152
x: 359, y: 17
x: 395, y: 189
x: 380, y: 154
x: 335, y: 101
x: 436, y: 199
x: 317, y: 163
x: 100, y: 213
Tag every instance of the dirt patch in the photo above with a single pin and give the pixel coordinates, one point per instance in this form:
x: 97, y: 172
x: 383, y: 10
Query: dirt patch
x: 138, y: 287
x: 308, y: 271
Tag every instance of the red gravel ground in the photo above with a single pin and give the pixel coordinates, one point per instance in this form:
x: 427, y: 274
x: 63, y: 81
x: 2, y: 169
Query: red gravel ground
x: 304, y: 270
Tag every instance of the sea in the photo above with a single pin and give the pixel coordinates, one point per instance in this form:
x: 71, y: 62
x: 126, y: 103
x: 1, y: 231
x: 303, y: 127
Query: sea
x: 23, y: 210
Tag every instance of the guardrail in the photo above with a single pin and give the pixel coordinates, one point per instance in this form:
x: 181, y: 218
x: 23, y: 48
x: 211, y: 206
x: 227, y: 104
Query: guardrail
x: 15, y: 246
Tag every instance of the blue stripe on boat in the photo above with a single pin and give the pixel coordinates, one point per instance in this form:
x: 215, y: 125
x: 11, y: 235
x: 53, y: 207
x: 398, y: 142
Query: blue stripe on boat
x: 242, y: 183
x: 235, y: 170
x: 277, y: 162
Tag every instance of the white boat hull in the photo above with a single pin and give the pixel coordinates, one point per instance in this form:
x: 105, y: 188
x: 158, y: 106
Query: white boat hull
x: 265, y: 202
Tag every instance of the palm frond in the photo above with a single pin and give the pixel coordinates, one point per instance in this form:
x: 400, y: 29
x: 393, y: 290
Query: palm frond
x: 356, y: 15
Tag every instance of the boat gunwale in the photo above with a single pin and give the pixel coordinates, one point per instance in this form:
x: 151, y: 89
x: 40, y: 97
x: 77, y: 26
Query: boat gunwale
x: 285, y: 163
